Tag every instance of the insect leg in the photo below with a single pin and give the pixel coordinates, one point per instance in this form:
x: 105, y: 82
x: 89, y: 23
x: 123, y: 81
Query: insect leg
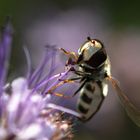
x: 69, y: 53
x: 71, y: 79
x: 81, y: 73
x: 79, y: 88
x: 61, y: 95
x: 72, y: 57
x: 60, y: 84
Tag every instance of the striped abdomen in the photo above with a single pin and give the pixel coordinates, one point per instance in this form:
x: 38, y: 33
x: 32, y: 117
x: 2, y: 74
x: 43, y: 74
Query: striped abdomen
x: 91, y: 98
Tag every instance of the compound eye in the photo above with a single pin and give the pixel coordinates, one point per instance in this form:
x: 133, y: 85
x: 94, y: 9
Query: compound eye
x: 97, y: 59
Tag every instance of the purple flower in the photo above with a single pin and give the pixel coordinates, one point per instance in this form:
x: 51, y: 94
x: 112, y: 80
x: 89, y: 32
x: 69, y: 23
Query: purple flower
x: 26, y: 110
x: 5, y: 46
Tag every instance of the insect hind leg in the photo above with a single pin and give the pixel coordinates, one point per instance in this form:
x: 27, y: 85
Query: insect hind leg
x: 61, y: 95
x: 79, y: 88
x: 62, y: 82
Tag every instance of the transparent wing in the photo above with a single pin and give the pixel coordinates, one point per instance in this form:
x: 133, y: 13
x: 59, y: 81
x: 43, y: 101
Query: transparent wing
x: 132, y: 111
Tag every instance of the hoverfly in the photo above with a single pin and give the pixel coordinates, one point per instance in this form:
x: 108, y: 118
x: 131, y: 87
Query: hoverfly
x: 93, y: 69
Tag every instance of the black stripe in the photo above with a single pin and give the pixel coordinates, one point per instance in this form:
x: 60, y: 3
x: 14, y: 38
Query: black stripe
x: 82, y: 109
x: 89, y: 87
x: 86, y: 99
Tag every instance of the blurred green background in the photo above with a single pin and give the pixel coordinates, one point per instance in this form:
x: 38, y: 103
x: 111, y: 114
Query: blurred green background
x: 67, y: 24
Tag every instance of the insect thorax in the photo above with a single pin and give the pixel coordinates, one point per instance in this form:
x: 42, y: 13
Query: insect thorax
x: 94, y: 74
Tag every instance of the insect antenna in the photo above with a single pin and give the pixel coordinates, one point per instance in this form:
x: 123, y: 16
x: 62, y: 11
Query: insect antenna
x: 88, y: 38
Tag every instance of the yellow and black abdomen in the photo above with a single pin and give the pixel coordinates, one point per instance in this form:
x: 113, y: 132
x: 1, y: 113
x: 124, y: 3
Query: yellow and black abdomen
x: 91, y: 98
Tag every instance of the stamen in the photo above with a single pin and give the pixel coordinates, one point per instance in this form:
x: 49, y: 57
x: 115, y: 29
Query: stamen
x: 63, y: 109
x: 38, y: 72
x: 57, y: 81
x: 28, y: 59
x: 40, y: 85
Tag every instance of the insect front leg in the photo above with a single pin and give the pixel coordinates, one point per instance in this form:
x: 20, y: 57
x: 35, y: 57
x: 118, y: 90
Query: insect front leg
x: 72, y: 57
